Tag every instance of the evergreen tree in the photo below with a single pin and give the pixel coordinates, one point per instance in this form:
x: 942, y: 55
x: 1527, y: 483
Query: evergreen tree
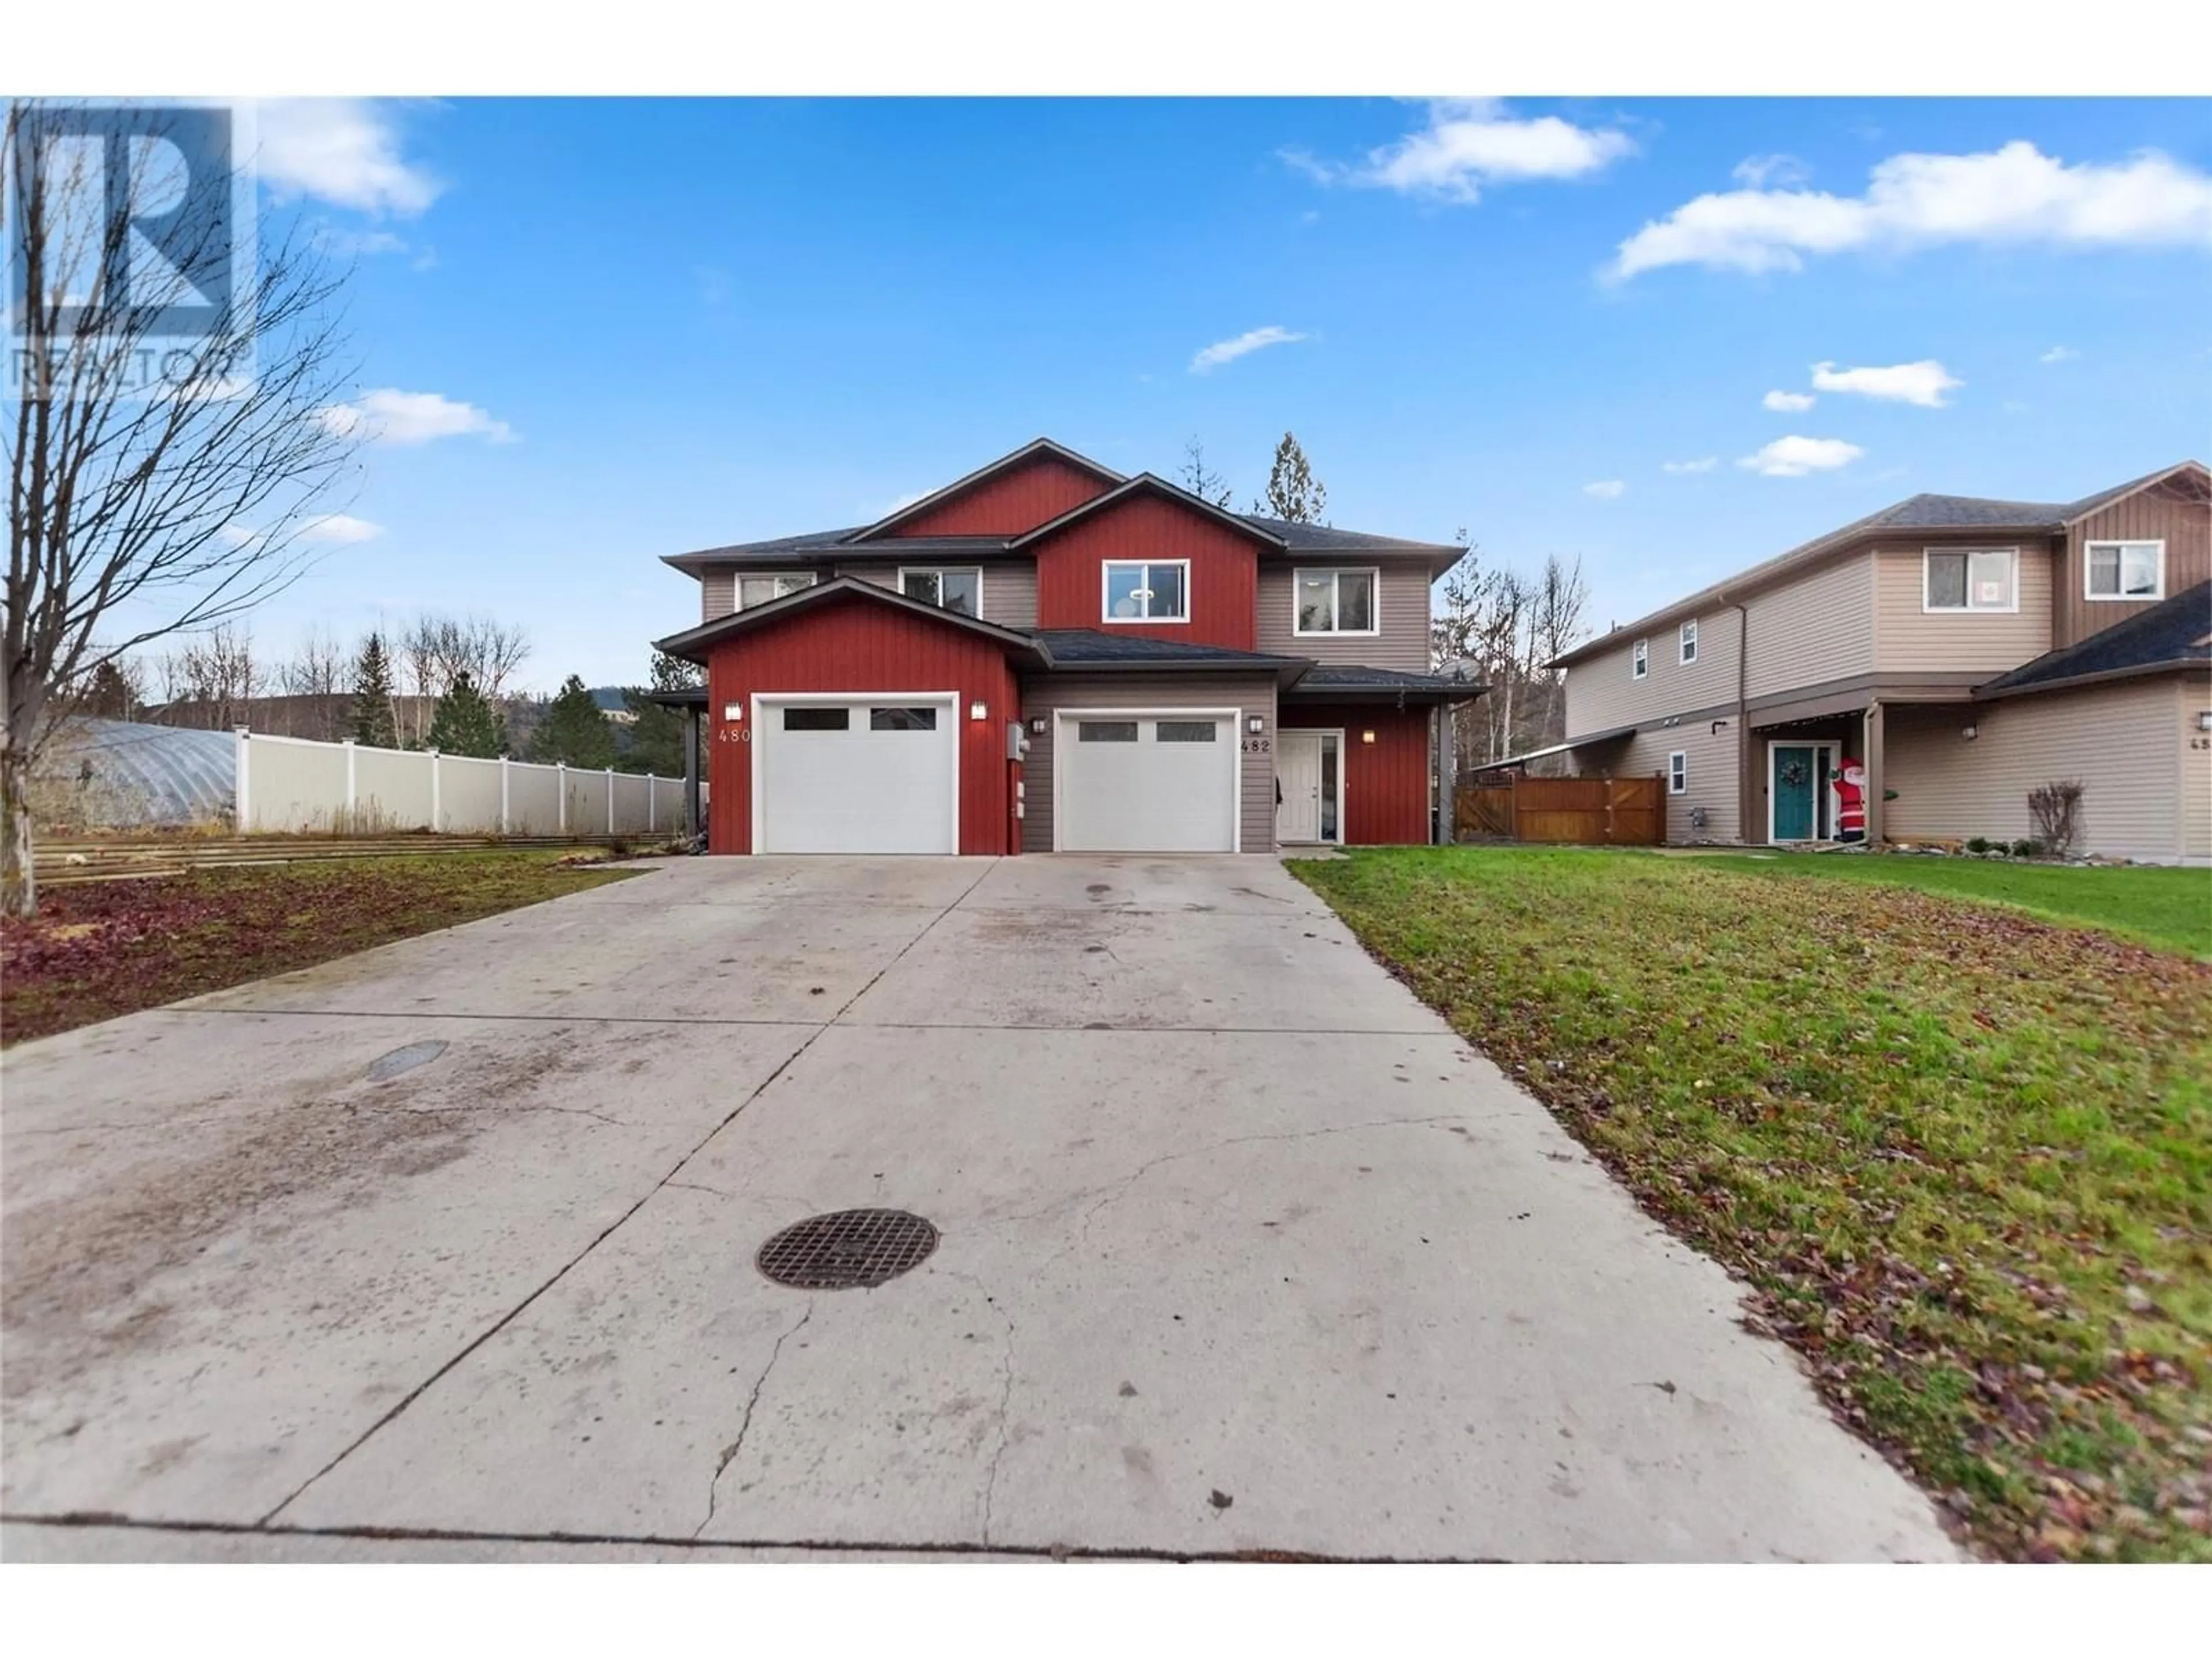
x: 374, y: 725
x: 465, y: 723
x: 1293, y: 493
x: 655, y: 740
x: 108, y: 694
x: 574, y: 730
x: 1201, y: 480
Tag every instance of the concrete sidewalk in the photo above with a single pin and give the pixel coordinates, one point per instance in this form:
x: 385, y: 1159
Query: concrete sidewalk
x: 1242, y: 1250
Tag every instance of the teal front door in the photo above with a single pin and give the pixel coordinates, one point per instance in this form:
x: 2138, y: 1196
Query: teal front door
x: 1797, y: 777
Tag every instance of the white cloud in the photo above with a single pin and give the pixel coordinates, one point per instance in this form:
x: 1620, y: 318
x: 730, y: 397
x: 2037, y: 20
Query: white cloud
x: 341, y: 150
x: 2016, y: 194
x: 1922, y: 383
x: 343, y: 244
x: 1793, y: 457
x: 1228, y: 351
x: 342, y: 529
x: 1702, y: 464
x: 2059, y: 355
x: 389, y: 416
x: 1469, y: 143
x: 1605, y: 489
x: 1787, y: 402
x: 1756, y: 172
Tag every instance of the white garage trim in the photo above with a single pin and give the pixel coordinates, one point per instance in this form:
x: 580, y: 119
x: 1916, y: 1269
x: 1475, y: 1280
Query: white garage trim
x: 1060, y: 740
x: 764, y: 701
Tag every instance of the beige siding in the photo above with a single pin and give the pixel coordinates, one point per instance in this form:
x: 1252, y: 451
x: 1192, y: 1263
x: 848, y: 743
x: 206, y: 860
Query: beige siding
x: 2119, y: 740
x: 1401, y: 609
x: 1817, y: 628
x: 1603, y: 692
x: 1908, y: 640
x: 2162, y: 513
x: 1715, y: 782
x: 1010, y: 585
x: 1248, y: 694
x: 718, y: 594
x: 2194, y: 694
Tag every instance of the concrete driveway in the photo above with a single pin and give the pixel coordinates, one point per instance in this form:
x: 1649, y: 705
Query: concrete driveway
x: 453, y: 1243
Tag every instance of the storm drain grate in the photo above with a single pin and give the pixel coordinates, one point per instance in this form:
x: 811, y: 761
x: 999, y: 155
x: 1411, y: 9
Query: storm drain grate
x: 847, y: 1249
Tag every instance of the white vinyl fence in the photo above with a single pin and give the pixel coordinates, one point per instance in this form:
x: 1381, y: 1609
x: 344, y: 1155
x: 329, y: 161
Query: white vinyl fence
x: 345, y: 788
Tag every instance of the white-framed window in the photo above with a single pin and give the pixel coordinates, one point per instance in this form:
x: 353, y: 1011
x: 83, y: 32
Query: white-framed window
x: 1970, y: 579
x: 1145, y: 590
x: 1337, y: 601
x: 759, y: 590
x: 1690, y: 640
x: 2124, y: 570
x: 1639, y: 660
x: 955, y: 587
x: 1678, y: 773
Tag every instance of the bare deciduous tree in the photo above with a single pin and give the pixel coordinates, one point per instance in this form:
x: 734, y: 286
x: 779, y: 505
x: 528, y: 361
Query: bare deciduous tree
x: 137, y: 511
x: 435, y: 651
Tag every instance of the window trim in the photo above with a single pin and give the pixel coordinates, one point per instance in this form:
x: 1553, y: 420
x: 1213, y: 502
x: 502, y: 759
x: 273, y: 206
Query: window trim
x: 1686, y: 647
x: 1374, y: 575
x: 1640, y: 660
x: 1678, y: 772
x: 2121, y: 570
x: 940, y: 572
x: 738, y: 585
x: 1107, y: 566
x: 1969, y: 609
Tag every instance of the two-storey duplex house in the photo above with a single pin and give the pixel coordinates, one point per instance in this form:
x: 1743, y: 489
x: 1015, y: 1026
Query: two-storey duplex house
x: 1046, y: 655
x: 1963, y: 651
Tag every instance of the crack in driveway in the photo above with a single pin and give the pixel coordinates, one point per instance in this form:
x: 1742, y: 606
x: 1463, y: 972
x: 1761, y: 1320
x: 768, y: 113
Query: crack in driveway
x: 744, y: 1426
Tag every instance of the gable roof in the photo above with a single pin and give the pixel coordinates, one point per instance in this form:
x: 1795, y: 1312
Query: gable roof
x: 1027, y: 452
x: 1924, y: 511
x: 1144, y: 484
x: 691, y: 642
x: 2177, y: 634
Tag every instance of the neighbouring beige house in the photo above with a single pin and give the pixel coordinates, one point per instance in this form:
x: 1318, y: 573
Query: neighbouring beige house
x: 1963, y: 651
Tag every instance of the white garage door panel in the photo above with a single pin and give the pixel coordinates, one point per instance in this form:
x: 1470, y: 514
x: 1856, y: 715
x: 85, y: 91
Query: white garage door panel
x: 1126, y: 789
x: 858, y: 789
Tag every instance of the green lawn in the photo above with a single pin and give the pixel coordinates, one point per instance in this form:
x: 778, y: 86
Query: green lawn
x: 2164, y: 906
x: 98, y: 949
x: 1963, y: 1156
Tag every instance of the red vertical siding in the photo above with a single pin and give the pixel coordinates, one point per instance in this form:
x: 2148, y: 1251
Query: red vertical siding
x: 1386, y: 783
x: 1007, y: 503
x: 1224, y: 572
x: 852, y: 645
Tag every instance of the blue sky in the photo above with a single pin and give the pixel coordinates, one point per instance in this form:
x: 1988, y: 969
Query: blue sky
x: 643, y: 327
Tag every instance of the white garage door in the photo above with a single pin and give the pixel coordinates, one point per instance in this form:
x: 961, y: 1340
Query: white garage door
x: 1163, y: 782
x: 863, y: 775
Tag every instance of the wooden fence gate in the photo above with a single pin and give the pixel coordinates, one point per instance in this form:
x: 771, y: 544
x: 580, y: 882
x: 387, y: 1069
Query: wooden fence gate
x: 1579, y: 811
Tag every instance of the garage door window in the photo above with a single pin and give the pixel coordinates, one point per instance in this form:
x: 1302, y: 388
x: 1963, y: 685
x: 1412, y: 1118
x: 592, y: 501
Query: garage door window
x: 1106, y: 731
x: 1187, y: 730
x: 817, y: 720
x: 902, y: 720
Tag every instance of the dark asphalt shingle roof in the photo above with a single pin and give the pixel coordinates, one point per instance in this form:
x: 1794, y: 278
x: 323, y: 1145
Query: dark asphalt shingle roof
x: 1327, y: 538
x: 1073, y: 646
x: 2173, y: 635
x: 1332, y: 676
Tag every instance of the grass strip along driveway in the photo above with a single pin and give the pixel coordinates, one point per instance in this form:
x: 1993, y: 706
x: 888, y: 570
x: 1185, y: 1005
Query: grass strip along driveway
x: 1963, y: 1157
x: 101, y: 948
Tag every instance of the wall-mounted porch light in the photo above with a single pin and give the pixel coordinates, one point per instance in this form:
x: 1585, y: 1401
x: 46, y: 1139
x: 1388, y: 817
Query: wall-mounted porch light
x: 1255, y: 726
x: 733, y: 711
x: 2205, y: 720
x: 979, y: 711
x: 1367, y: 737
x: 1037, y: 723
x: 1970, y: 731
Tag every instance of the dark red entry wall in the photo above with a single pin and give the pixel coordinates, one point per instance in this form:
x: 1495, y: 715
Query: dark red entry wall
x: 1224, y: 572
x: 1386, y: 783
x: 853, y: 645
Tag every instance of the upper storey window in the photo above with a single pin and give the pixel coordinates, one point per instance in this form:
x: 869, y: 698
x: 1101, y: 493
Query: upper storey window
x: 2127, y: 570
x: 1970, y: 579
x: 1147, y: 590
x: 1639, y: 660
x: 957, y: 587
x: 759, y: 590
x: 1336, y: 601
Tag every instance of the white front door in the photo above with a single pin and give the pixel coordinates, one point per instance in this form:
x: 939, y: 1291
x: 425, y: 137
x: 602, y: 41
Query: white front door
x: 1154, y: 781
x: 1297, y: 783
x: 856, y: 775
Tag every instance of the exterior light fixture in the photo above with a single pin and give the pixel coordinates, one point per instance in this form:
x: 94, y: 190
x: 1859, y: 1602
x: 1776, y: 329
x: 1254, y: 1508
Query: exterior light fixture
x: 733, y: 711
x: 979, y: 711
x: 1255, y: 726
x: 1970, y: 731
x: 2205, y: 720
x: 1037, y: 724
x: 1367, y: 737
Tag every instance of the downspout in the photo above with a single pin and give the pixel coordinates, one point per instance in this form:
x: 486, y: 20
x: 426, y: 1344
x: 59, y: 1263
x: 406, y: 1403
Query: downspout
x: 1743, y: 791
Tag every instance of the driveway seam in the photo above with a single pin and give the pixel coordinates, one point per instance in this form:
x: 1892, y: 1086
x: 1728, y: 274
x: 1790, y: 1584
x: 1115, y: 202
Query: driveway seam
x: 515, y: 1312
x: 836, y: 1019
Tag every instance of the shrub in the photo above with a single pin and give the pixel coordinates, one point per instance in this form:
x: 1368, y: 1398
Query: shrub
x: 2025, y: 849
x: 1978, y: 844
x: 2055, y: 811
